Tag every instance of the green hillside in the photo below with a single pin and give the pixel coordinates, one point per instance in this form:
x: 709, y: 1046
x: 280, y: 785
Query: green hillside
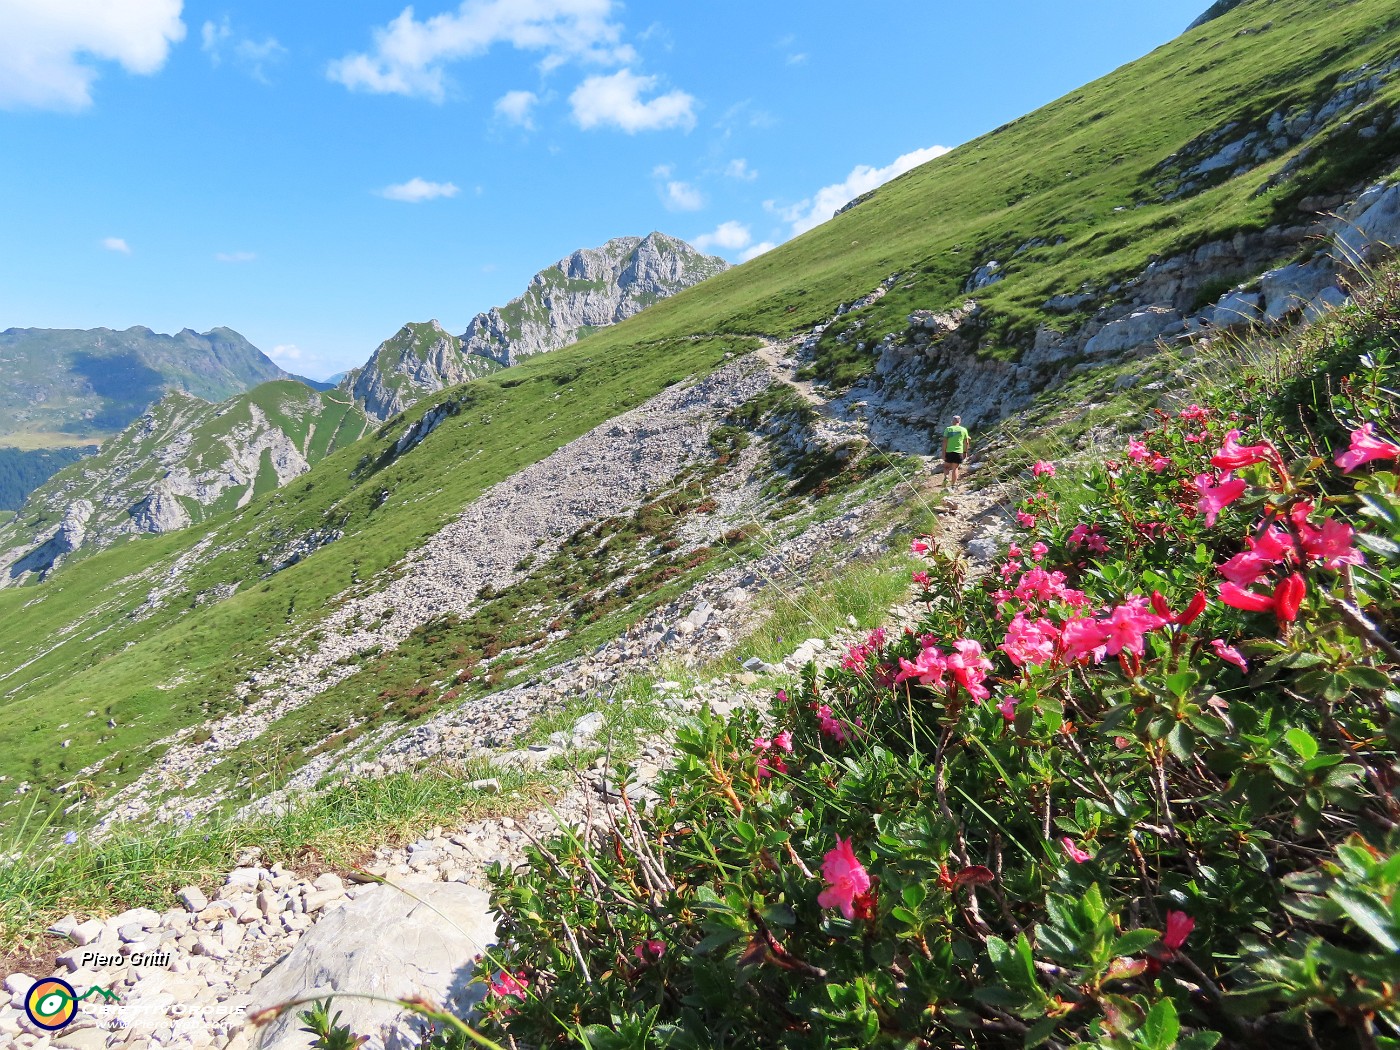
x: 198, y: 459
x: 1078, y: 194
x: 1070, y: 196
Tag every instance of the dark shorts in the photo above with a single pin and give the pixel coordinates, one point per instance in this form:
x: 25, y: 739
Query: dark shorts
x: 952, y: 457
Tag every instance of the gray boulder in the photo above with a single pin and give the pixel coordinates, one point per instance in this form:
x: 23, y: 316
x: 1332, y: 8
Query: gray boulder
x: 1238, y: 309
x: 1370, y: 224
x: 420, y: 939
x: 1325, y: 301
x: 1292, y: 287
x: 1140, y: 328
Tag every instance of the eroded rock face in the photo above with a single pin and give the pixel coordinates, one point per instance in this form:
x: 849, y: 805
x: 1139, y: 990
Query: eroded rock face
x: 159, y: 511
x: 420, y: 359
x: 420, y: 939
x: 183, y: 459
x: 67, y: 538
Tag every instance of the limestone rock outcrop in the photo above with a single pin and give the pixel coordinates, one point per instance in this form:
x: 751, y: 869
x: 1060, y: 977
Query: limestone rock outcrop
x: 418, y: 940
x: 591, y: 288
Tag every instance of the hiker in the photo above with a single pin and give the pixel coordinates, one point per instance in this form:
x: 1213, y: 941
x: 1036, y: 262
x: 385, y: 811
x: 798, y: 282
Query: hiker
x: 956, y: 441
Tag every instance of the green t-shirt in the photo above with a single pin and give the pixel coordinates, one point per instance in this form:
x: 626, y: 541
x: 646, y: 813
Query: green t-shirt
x: 957, y: 437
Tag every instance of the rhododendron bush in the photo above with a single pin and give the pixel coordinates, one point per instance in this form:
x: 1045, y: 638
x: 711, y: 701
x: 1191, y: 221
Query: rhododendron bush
x: 1134, y: 785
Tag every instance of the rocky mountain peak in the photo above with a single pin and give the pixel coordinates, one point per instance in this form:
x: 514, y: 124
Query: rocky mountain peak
x: 588, y: 289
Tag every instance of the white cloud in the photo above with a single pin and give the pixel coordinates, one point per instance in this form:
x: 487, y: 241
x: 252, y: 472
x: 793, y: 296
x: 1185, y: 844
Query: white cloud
x: 410, y: 57
x: 682, y: 196
x: 516, y: 106
x: 663, y: 171
x: 116, y: 244
x: 816, y: 209
x: 755, y: 250
x: 616, y: 101
x: 739, y: 169
x: 797, y: 59
x: 48, y: 47
x: 235, y: 257
x: 729, y: 236
x: 416, y: 190
x: 286, y: 352
x: 219, y: 39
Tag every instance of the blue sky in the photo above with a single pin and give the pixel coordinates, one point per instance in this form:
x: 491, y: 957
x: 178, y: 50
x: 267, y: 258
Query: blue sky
x: 314, y: 174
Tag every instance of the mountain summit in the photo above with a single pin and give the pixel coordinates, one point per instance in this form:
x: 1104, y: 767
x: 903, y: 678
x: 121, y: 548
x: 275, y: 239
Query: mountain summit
x: 590, y: 289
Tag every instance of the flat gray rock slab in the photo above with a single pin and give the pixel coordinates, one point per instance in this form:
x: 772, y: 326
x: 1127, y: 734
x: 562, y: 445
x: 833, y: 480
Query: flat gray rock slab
x: 420, y: 939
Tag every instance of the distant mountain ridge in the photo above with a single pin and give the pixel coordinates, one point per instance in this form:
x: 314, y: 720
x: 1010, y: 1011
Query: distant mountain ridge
x: 90, y: 383
x: 181, y: 462
x: 589, y: 289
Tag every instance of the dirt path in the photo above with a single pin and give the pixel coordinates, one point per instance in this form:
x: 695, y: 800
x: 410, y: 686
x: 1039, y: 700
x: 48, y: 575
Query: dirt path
x: 774, y: 355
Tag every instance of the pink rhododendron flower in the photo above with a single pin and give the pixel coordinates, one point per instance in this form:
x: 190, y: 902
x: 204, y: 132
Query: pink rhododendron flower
x: 921, y: 578
x: 1229, y: 654
x: 783, y: 741
x: 761, y: 743
x: 1332, y: 544
x: 1088, y: 536
x: 830, y: 726
x: 1214, y: 498
x: 1179, y: 927
x: 1075, y: 854
x: 781, y: 696
x: 1250, y: 601
x: 846, y: 879
x: 1030, y: 641
x: 1365, y: 446
x: 505, y: 985
x: 1283, y: 603
x: 1245, y: 568
x: 1038, y: 551
x: 1007, y: 707
x: 649, y: 951
x: 1042, y: 469
x: 920, y: 546
x: 1187, y: 616
x: 927, y: 669
x: 1137, y: 451
x: 1127, y: 624
x: 1026, y: 521
x: 1082, y: 637
x: 1233, y: 455
x: 1160, y: 463
x: 1194, y: 414
x: 770, y: 764
x: 1040, y: 585
x: 969, y: 667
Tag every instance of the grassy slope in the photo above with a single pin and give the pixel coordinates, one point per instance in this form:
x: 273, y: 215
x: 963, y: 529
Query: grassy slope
x: 1060, y: 172
x: 188, y: 660
x: 935, y: 224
